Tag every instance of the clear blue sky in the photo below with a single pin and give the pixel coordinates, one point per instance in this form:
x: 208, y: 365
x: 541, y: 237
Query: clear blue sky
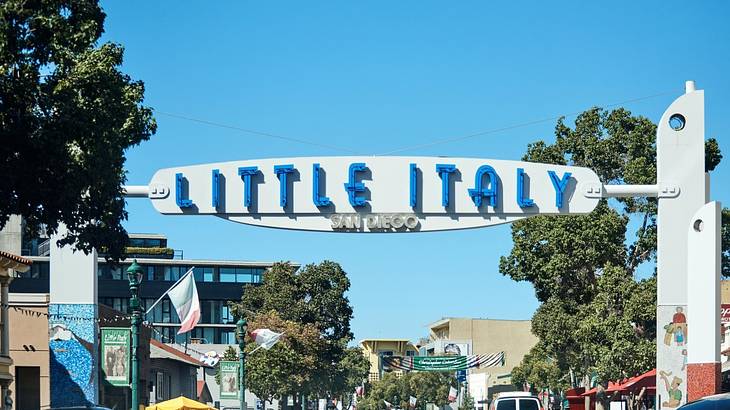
x: 379, y: 75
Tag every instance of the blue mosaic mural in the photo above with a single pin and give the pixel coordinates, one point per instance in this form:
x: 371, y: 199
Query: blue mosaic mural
x: 73, y: 347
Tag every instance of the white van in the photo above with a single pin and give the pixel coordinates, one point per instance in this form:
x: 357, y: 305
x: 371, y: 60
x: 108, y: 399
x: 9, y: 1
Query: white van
x: 516, y: 400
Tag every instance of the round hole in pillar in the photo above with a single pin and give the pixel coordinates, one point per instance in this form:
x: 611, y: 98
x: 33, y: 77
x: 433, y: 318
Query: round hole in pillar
x: 698, y: 225
x: 677, y: 121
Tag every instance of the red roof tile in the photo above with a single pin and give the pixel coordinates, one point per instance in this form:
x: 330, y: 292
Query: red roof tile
x: 15, y: 258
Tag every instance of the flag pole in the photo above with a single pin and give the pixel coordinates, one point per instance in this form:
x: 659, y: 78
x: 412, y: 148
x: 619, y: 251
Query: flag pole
x: 168, y: 290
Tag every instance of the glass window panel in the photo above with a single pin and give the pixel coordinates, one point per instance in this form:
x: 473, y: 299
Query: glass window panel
x: 116, y: 272
x: 216, y: 317
x: 159, y: 273
x: 152, y: 243
x: 198, y: 274
x: 228, y: 275
x: 136, y: 242
x: 507, y: 404
x: 529, y: 404
x: 165, y: 311
x: 208, y: 274
x: 209, y: 334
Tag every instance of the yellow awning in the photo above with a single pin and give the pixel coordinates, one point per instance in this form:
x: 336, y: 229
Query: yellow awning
x: 180, y: 403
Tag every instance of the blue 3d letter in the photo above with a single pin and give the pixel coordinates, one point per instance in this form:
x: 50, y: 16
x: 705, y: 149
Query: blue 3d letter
x: 522, y: 200
x: 353, y: 187
x: 319, y: 200
x: 414, y: 185
x: 246, y: 173
x: 281, y: 171
x: 444, y: 170
x: 559, y: 185
x: 216, y: 184
x: 479, y: 192
x: 180, y: 199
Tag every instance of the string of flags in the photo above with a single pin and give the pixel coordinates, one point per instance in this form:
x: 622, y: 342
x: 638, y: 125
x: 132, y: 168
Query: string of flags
x: 69, y: 318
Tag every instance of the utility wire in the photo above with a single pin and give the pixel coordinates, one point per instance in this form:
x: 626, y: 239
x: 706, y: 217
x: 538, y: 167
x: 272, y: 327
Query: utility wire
x: 511, y: 127
x: 261, y: 133
x: 408, y: 148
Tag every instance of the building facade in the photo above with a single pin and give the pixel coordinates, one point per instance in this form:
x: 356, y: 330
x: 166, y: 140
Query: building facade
x: 218, y: 281
x: 376, y: 349
x: 10, y: 265
x: 172, y: 373
x: 466, y: 336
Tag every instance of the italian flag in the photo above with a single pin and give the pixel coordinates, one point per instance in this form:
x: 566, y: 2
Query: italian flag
x: 265, y: 338
x: 184, y: 296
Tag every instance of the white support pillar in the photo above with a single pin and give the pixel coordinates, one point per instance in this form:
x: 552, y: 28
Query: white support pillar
x: 703, y: 298
x: 72, y: 321
x: 680, y: 163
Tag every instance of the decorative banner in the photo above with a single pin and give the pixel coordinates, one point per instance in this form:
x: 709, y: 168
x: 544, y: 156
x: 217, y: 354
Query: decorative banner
x: 375, y: 194
x: 229, y: 379
x: 115, y: 355
x: 443, y: 363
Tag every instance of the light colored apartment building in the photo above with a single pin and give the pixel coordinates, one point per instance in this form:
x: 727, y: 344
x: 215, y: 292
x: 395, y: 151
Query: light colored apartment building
x: 375, y: 349
x: 466, y: 336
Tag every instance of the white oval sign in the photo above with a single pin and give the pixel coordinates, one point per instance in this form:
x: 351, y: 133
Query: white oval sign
x: 374, y: 194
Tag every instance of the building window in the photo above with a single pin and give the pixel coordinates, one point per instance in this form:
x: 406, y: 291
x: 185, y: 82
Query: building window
x: 165, y: 311
x: 226, y: 314
x: 410, y: 353
x: 241, y: 275
x: 162, y: 387
x: 37, y: 270
x: 204, y: 274
x: 228, y: 337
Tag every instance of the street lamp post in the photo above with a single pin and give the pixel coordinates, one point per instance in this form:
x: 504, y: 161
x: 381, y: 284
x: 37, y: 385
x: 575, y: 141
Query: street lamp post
x: 134, y: 274
x: 241, y: 336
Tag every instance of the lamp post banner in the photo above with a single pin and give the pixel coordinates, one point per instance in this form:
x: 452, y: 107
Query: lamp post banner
x: 374, y: 194
x: 115, y: 355
x: 229, y: 379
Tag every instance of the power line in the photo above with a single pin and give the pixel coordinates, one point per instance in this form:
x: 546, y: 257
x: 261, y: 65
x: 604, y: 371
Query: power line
x: 407, y: 148
x: 261, y: 133
x: 511, y: 127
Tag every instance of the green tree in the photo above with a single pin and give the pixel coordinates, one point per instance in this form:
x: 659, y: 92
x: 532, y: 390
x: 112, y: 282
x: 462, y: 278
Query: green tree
x: 426, y: 387
x: 313, y: 359
x: 350, y: 372
x: 467, y: 403
x: 595, y: 316
x: 67, y: 116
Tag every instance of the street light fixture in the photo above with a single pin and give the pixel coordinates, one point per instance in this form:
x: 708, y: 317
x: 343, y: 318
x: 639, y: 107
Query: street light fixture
x: 134, y: 274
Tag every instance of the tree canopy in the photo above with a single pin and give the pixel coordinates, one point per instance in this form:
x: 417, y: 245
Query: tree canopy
x: 67, y: 116
x: 310, y: 307
x: 593, y: 273
x: 426, y: 387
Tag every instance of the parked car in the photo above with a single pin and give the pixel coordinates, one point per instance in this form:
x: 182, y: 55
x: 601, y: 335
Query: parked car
x: 716, y: 402
x: 516, y: 400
